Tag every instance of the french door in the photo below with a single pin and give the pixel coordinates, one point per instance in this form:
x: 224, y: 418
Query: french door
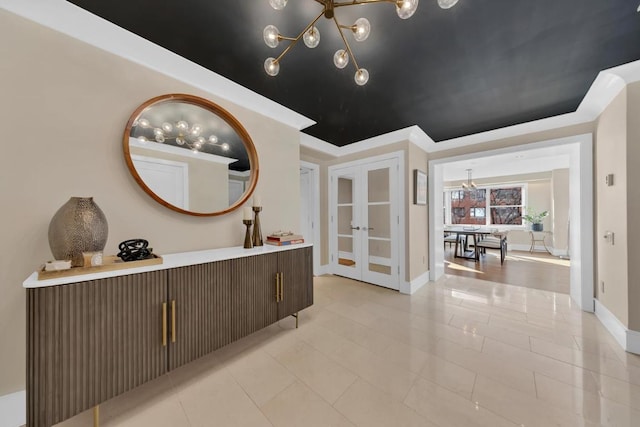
x: 365, y: 222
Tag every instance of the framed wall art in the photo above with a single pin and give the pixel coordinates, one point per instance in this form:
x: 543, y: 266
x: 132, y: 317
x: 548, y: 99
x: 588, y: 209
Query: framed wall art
x: 419, y: 187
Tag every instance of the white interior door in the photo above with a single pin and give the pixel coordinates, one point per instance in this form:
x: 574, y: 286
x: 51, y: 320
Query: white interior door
x: 346, y: 255
x: 365, y: 223
x: 380, y: 224
x: 306, y: 206
x: 168, y: 179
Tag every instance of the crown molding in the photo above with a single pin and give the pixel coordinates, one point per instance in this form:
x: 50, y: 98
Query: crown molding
x: 607, y: 85
x: 318, y: 144
x: 69, y: 19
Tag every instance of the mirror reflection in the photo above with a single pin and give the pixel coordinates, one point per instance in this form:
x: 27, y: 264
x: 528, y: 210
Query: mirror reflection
x: 190, y: 155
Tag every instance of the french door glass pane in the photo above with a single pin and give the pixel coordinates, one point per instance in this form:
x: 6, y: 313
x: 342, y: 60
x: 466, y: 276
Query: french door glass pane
x: 380, y: 256
x: 378, y: 185
x: 345, y: 219
x: 379, y: 221
x: 346, y: 254
x: 345, y: 251
x: 345, y: 190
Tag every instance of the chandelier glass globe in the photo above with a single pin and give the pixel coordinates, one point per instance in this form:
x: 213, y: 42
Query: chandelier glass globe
x: 446, y: 4
x: 271, y: 66
x: 406, y: 8
x: 361, y: 77
x: 362, y: 29
x: 278, y: 4
x: 270, y: 35
x: 312, y: 37
x: 341, y: 58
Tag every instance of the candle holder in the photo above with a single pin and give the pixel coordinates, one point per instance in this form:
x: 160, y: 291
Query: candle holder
x: 247, y: 237
x: 257, y: 232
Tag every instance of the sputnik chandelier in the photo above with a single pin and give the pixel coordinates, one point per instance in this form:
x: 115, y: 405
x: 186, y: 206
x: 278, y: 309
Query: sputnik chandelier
x: 311, y: 35
x: 469, y: 185
x: 181, y: 133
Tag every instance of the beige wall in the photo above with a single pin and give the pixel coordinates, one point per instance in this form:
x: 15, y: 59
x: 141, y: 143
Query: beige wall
x: 611, y: 153
x: 63, y: 109
x: 633, y: 202
x: 418, y: 253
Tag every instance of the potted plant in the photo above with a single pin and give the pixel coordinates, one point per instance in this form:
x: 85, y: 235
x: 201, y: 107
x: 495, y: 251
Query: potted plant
x: 535, y: 218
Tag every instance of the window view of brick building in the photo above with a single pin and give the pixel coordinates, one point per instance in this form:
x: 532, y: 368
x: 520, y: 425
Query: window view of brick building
x: 504, y: 206
x: 469, y: 207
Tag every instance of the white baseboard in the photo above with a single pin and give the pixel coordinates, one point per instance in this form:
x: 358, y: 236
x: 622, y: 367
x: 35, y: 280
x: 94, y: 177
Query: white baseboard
x: 629, y: 340
x: 525, y: 248
x: 13, y: 409
x: 559, y: 252
x: 411, y: 287
x: 633, y: 342
x: 324, y: 269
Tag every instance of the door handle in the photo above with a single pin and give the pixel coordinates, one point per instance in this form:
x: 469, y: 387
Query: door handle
x: 365, y: 228
x: 355, y: 228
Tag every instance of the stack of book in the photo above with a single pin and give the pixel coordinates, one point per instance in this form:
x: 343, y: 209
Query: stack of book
x: 290, y: 239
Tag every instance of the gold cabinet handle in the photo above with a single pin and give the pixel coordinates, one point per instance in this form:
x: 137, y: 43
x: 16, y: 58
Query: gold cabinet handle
x: 277, y: 287
x: 173, y: 321
x: 164, y: 324
x: 281, y: 286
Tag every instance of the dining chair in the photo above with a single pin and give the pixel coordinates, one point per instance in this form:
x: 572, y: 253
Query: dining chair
x: 497, y: 240
x: 450, y: 238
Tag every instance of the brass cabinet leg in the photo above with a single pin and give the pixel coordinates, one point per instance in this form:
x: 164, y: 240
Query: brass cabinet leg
x: 96, y: 416
x: 296, y: 316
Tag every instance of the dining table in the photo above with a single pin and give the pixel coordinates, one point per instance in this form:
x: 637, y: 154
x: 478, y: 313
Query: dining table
x: 462, y: 247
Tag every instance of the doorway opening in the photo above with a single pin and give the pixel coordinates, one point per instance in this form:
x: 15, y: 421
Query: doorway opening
x: 579, y: 224
x: 310, y: 209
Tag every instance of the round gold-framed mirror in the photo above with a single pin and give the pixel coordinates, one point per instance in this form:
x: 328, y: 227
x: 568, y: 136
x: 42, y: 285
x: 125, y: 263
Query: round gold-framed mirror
x: 190, y: 155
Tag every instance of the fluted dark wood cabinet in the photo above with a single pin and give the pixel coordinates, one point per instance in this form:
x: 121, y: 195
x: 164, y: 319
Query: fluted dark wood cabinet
x: 200, y: 307
x: 88, y: 342
x: 92, y: 340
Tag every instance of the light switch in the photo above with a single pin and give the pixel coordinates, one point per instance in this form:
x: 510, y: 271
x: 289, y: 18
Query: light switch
x: 609, y: 180
x: 609, y: 236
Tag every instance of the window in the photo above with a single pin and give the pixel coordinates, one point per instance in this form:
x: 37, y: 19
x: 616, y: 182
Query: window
x: 463, y: 209
x: 457, y: 215
x: 486, y: 206
x: 477, y: 212
x: 457, y: 195
x: 506, y: 205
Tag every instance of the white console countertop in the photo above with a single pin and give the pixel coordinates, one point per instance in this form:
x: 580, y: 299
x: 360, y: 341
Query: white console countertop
x: 168, y: 261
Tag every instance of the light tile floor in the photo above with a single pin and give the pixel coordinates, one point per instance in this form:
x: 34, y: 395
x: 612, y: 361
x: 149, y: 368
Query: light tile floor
x: 459, y: 352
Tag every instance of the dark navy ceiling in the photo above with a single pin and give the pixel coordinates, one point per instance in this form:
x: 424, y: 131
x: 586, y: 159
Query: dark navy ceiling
x: 482, y: 65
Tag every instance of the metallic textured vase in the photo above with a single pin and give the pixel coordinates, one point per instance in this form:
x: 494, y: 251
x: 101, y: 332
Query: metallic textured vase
x: 78, y: 226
